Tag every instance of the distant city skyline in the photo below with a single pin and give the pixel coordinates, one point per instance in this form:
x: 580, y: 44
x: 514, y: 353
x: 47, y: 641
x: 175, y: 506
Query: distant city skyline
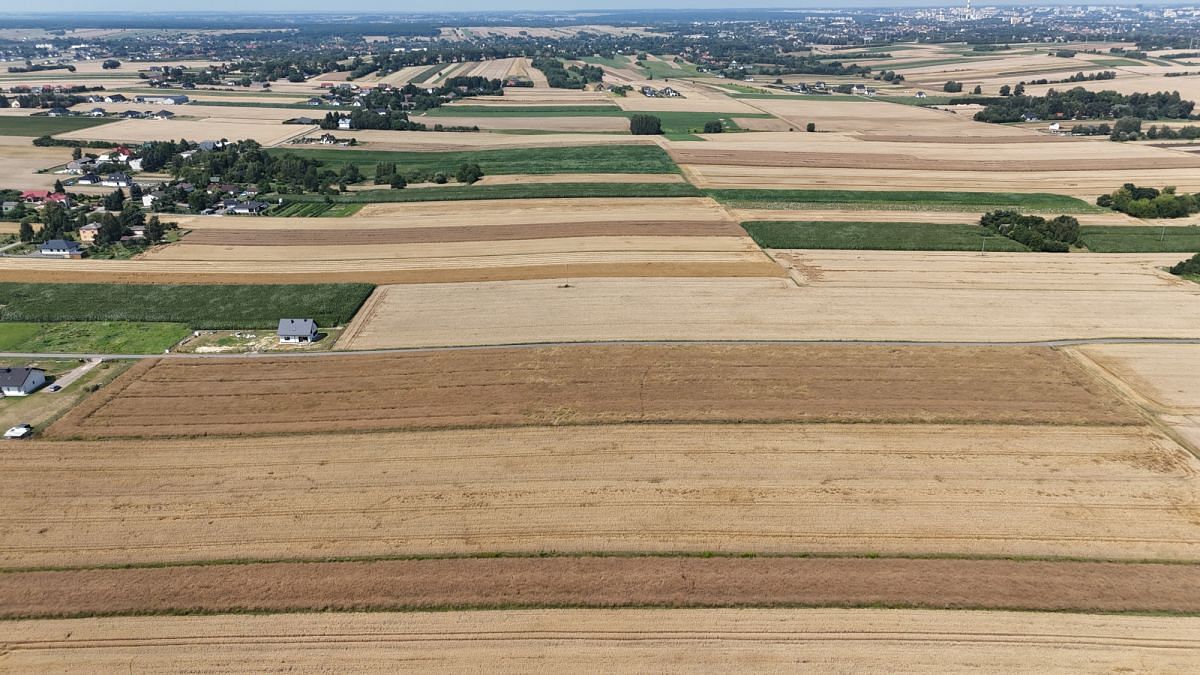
x: 390, y: 6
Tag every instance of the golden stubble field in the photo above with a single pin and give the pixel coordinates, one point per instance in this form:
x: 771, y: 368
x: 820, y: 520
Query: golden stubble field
x: 624, y: 641
x: 831, y: 295
x: 1109, y: 492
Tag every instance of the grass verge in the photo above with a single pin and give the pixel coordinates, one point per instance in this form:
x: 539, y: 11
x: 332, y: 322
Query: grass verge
x: 101, y: 337
x: 877, y: 236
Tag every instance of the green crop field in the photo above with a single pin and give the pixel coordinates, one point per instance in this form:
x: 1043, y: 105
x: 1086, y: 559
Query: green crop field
x: 1116, y: 62
x: 900, y: 200
x: 468, y: 110
x: 43, y: 126
x: 315, y: 210
x: 197, y: 306
x: 102, y: 337
x: 877, y: 236
x: 530, y: 191
x: 1120, y: 239
x: 582, y: 159
x: 673, y: 122
x: 616, y: 61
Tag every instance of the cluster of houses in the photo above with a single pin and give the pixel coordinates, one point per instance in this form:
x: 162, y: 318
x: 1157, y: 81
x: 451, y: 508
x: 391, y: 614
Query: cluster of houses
x: 354, y: 96
x: 665, y: 92
x: 323, y: 139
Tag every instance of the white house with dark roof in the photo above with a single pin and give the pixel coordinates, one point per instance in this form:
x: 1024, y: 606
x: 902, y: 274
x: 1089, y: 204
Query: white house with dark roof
x: 297, y: 331
x: 21, y: 381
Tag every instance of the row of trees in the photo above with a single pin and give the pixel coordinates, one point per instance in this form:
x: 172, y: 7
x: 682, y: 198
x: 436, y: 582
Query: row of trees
x: 559, y: 77
x: 1054, y: 236
x: 387, y: 173
x: 1148, y: 202
x: 1079, y: 103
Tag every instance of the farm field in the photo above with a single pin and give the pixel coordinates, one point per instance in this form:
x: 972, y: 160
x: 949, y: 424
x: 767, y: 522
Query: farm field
x: 1163, y: 237
x: 103, y: 337
x: 896, y: 236
x: 588, y: 385
x: 831, y: 295
x: 11, y: 125
x: 21, y: 162
x: 617, y: 159
x: 1100, y: 492
x: 902, y: 200
x: 434, y: 141
x: 139, y: 131
x: 630, y: 641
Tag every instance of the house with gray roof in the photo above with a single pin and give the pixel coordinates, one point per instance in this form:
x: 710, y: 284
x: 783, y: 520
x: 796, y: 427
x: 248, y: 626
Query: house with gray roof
x: 297, y: 331
x: 21, y: 381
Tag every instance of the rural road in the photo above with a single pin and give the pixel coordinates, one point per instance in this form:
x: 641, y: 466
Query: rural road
x: 75, y: 374
x: 610, y: 343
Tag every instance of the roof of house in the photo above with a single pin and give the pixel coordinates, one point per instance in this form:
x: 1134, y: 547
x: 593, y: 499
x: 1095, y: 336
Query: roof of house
x: 60, y: 245
x: 297, y: 327
x: 15, y: 377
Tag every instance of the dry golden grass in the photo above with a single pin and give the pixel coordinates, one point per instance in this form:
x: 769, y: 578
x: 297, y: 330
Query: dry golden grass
x: 137, y: 131
x: 842, y: 295
x: 619, y: 641
x: 1103, y: 492
x: 20, y: 161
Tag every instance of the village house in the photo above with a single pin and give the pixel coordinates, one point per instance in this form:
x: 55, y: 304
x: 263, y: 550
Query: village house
x: 88, y: 179
x: 244, y: 208
x: 297, y: 331
x: 43, y: 196
x: 21, y: 381
x: 921, y: 94
x: 118, y: 180
x: 115, y: 98
x: 87, y: 233
x: 60, y: 248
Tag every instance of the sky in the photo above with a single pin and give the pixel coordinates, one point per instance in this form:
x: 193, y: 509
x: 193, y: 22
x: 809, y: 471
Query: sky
x: 126, y: 6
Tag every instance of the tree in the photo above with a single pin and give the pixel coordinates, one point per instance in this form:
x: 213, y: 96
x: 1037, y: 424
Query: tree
x: 1005, y: 90
x: 810, y: 127
x: 154, y: 230
x: 714, y: 127
x: 58, y: 186
x: 977, y: 90
x: 1019, y: 90
x: 76, y: 152
x: 135, y: 192
x: 645, y: 125
x: 26, y: 233
x: 114, y: 200
x: 468, y: 173
x: 952, y: 87
x: 110, y: 231
x: 398, y: 182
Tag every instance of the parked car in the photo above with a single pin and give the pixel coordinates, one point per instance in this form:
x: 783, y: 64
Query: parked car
x: 54, y: 387
x: 19, y: 431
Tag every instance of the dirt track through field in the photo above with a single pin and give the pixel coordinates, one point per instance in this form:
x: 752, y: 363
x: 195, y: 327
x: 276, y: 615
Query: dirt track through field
x: 587, y: 385
x: 604, y: 582
x: 417, y: 235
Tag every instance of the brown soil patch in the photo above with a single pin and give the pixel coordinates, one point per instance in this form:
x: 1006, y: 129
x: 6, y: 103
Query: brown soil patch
x: 415, y: 235
x: 587, y: 385
x: 604, y: 582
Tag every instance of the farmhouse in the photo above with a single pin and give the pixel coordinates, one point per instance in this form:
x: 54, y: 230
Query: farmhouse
x: 296, y: 331
x: 61, y: 248
x: 21, y: 381
x: 87, y: 233
x: 240, y: 207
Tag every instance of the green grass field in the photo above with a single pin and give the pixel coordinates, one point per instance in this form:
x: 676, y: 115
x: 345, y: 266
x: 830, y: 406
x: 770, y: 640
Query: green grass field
x: 582, y: 159
x: 103, y: 337
x: 617, y: 61
x: 900, y: 200
x: 530, y: 191
x: 673, y: 122
x: 467, y: 110
x: 1120, y: 239
x: 43, y: 126
x: 315, y: 210
x: 1116, y: 62
x: 196, y: 306
x: 877, y: 236
x: 659, y: 70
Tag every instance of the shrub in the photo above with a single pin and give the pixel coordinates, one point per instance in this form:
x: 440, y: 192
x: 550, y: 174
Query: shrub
x: 810, y: 127
x: 1052, y: 236
x: 713, y: 127
x: 1190, y: 267
x: 952, y: 87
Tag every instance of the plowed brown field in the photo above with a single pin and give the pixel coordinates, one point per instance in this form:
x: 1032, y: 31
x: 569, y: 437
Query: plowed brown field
x: 604, y: 582
x: 615, y: 641
x: 584, y: 385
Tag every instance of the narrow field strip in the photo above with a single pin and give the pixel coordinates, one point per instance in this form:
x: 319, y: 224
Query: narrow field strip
x: 657, y: 581
x: 621, y: 641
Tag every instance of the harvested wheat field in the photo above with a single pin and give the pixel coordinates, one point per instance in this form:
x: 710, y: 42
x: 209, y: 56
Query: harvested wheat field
x: 22, y: 161
x: 864, y: 116
x: 602, y: 582
x: 434, y: 141
x: 632, y: 641
x: 1102, y: 492
x: 833, y: 295
x: 336, y: 237
x: 587, y: 384
x: 567, y: 124
x: 139, y: 131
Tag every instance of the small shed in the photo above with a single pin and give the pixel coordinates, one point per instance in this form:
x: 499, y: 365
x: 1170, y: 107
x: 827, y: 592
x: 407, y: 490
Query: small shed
x: 21, y: 381
x: 297, y: 331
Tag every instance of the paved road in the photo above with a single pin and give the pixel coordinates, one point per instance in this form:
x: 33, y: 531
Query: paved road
x: 604, y: 343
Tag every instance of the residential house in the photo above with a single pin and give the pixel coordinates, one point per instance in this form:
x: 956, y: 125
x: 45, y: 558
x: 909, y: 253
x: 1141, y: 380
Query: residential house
x: 117, y: 180
x: 921, y: 94
x: 344, y: 124
x: 297, y: 331
x: 115, y: 98
x: 61, y: 248
x: 21, y: 381
x: 43, y: 196
x: 88, y: 179
x: 328, y: 139
x: 97, y: 112
x: 87, y: 233
x: 162, y: 115
x: 245, y: 208
x: 132, y: 115
x: 174, y: 99
x: 313, y: 101
x: 58, y: 112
